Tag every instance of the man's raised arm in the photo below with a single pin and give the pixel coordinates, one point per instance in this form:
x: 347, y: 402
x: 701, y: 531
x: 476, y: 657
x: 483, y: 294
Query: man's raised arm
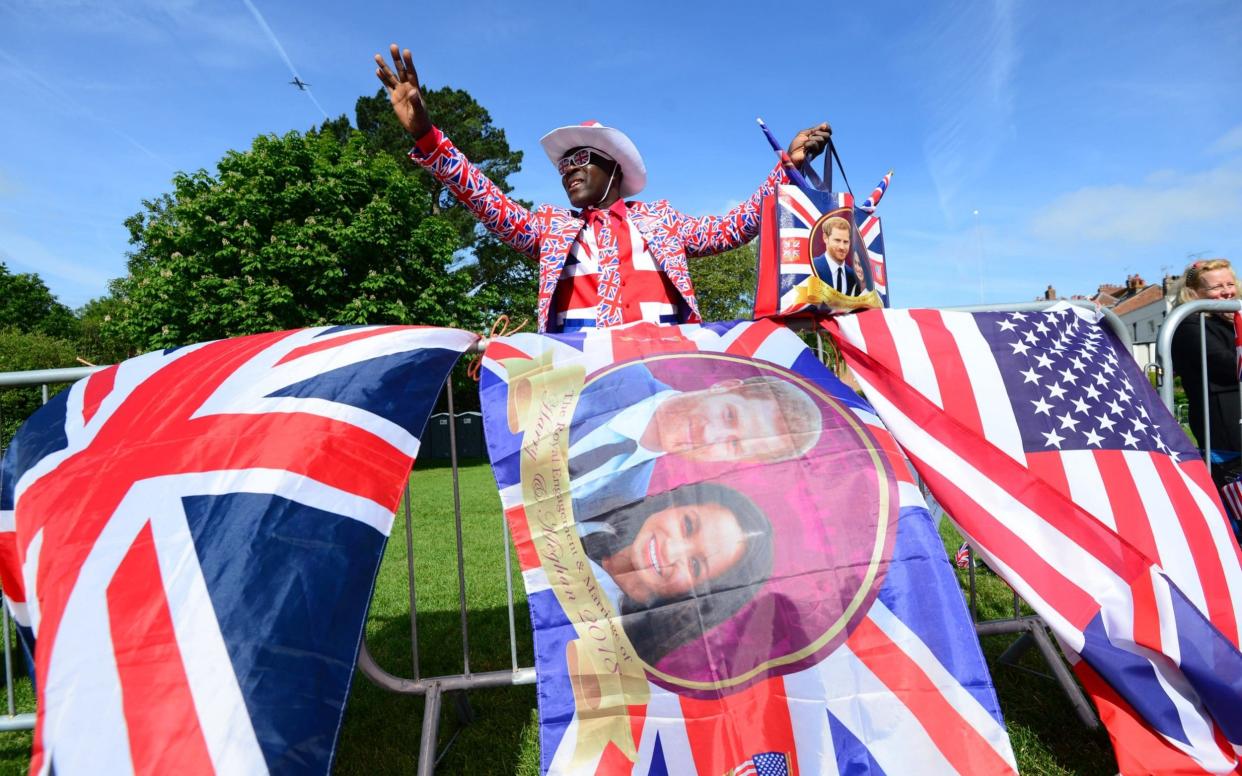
x: 404, y: 92
x: 709, y: 235
x: 806, y: 145
x: 501, y: 215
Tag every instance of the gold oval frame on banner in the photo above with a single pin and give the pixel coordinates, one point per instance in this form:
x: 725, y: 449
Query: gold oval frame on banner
x: 883, y: 526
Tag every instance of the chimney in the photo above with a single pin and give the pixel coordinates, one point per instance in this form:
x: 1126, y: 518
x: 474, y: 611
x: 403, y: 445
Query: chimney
x: 1135, y: 283
x: 1169, y: 282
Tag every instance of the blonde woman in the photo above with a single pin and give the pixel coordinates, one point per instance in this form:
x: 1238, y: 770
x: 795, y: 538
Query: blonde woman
x: 1211, y: 279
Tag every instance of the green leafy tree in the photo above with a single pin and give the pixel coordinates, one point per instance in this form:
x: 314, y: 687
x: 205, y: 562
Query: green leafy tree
x: 21, y: 351
x: 299, y: 230
x: 338, y: 127
x: 505, y: 278
x: 102, y: 339
x: 465, y: 121
x: 507, y: 282
x: 725, y: 284
x: 27, y: 305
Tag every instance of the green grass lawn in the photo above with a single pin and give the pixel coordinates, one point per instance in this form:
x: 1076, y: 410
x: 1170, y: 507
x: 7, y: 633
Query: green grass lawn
x: 382, y: 730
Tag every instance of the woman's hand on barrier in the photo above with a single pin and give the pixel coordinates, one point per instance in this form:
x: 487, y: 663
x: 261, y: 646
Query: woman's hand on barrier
x: 401, y: 81
x: 809, y: 143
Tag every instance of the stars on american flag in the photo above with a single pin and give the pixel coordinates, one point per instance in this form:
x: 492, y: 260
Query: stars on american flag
x: 764, y: 764
x: 1075, y: 391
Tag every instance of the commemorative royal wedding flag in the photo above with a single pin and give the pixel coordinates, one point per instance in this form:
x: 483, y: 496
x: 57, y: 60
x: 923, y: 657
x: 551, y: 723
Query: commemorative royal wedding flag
x: 192, y: 537
x: 819, y: 250
x: 729, y: 567
x: 1046, y: 443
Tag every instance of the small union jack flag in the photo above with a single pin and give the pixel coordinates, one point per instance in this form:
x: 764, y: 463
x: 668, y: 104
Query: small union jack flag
x: 873, y: 198
x: 192, y: 536
x: 961, y: 558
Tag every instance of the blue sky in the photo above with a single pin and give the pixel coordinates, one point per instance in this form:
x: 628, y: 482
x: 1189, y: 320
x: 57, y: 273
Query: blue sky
x: 1093, y: 139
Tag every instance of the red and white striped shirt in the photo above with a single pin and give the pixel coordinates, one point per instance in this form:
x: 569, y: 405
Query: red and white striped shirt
x: 645, y: 293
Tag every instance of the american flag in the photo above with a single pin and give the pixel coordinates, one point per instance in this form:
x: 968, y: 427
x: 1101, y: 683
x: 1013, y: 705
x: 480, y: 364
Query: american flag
x: 764, y: 764
x: 1041, y: 436
x: 906, y: 692
x: 192, y: 536
x: 1231, y: 495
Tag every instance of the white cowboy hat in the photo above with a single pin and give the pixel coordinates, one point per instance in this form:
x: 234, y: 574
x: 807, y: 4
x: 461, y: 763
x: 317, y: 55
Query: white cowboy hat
x: 613, y: 142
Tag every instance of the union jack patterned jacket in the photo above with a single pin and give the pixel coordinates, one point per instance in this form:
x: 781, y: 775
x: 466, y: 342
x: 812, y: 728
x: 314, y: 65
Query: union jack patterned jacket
x: 548, y: 232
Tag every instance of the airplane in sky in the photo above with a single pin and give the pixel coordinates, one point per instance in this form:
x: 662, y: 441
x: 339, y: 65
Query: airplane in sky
x: 298, y: 82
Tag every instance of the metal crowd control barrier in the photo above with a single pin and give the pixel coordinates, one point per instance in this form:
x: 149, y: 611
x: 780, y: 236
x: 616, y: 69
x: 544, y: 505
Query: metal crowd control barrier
x: 1164, y: 356
x: 434, y: 687
x: 1032, y: 630
x: 42, y: 378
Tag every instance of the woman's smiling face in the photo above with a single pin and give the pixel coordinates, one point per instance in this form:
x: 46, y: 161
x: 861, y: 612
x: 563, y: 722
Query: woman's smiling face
x: 1218, y: 284
x: 678, y: 549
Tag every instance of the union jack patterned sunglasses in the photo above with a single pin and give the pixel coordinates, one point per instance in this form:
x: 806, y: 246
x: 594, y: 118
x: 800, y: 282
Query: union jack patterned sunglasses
x: 581, y: 158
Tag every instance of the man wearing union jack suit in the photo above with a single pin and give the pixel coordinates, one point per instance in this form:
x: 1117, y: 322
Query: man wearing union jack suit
x: 609, y: 261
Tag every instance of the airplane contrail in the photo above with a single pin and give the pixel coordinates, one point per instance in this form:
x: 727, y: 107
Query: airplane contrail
x: 258, y: 17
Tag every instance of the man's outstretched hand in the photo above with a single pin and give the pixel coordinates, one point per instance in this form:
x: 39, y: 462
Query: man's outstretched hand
x: 402, y: 85
x: 806, y: 145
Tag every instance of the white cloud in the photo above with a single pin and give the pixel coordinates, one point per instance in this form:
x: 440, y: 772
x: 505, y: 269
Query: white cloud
x: 1230, y: 141
x: 211, y: 34
x: 955, y: 266
x: 8, y: 187
x: 23, y: 254
x: 1145, y: 213
x: 35, y: 81
x: 969, y: 99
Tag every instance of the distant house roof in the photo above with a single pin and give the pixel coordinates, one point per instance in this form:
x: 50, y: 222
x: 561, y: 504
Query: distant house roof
x: 1149, y: 295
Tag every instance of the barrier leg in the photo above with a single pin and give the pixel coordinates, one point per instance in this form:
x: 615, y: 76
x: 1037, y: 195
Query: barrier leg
x: 8, y: 659
x: 1034, y: 629
x: 431, y: 726
x: 1082, y: 706
x: 461, y: 562
x: 970, y: 575
x: 461, y: 705
x: 1014, y: 652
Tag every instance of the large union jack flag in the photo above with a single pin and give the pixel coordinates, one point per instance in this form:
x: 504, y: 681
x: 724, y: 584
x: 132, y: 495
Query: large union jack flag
x: 192, y: 536
x: 1046, y: 443
x: 902, y: 689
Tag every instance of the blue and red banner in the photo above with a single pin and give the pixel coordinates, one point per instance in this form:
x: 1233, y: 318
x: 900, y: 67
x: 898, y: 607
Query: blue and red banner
x: 191, y: 538
x: 729, y: 566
